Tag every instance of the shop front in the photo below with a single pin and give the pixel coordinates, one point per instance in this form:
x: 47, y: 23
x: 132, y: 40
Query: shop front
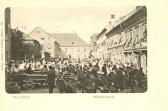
x: 137, y: 57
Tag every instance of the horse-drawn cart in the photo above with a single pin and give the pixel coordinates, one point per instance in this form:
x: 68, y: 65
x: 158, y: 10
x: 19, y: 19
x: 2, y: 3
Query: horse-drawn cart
x: 30, y: 80
x: 37, y: 78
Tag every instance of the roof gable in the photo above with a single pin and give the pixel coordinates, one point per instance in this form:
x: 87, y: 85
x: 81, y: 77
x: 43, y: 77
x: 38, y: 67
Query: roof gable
x: 38, y: 32
x: 64, y: 39
x: 68, y: 39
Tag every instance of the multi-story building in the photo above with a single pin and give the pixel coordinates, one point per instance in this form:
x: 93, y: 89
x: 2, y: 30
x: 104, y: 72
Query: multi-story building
x: 126, y: 40
x: 101, y: 50
x: 71, y: 45
x: 57, y: 50
x: 45, y: 41
x: 93, y: 44
x: 60, y: 44
x: 7, y: 35
x: 136, y: 47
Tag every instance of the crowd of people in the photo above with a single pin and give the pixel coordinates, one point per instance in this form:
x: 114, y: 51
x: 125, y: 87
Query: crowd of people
x: 85, y: 76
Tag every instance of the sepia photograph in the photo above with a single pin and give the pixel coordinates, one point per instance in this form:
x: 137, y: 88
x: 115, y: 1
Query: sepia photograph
x: 76, y: 49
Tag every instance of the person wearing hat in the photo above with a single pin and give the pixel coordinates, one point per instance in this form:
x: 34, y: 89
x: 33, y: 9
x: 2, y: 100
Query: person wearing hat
x: 51, y: 79
x: 104, y: 69
x: 45, y: 69
x: 119, y: 80
x: 89, y: 84
x: 132, y: 77
x: 61, y: 84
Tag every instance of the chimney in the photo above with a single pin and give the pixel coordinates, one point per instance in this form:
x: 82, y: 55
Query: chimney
x: 138, y: 7
x: 112, y: 16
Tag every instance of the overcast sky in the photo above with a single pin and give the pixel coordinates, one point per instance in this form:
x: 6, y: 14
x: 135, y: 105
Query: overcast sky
x: 85, y: 21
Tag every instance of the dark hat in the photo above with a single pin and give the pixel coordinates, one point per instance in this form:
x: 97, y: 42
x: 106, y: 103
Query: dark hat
x: 50, y: 67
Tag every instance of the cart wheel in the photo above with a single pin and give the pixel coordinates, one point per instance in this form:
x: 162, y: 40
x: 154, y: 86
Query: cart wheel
x: 28, y: 85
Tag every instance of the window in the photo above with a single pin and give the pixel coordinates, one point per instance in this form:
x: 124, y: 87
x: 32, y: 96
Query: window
x: 120, y: 41
x: 136, y: 35
x: 129, y: 37
x: 123, y: 39
x: 144, y: 31
x: 103, y: 43
x: 115, y: 41
x: 66, y: 50
x: 111, y: 44
x: 84, y: 49
x: 78, y: 49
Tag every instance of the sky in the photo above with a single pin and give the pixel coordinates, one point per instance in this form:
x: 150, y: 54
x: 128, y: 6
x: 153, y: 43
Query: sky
x: 85, y: 21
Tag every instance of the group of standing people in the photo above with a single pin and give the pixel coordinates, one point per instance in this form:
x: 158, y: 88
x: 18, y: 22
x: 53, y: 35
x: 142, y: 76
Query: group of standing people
x: 72, y: 76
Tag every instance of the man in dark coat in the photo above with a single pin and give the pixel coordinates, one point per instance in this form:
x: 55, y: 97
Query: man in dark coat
x: 70, y: 86
x: 104, y: 69
x: 61, y: 85
x: 132, y: 77
x: 51, y: 79
x: 119, y: 79
x: 89, y: 84
x: 140, y: 76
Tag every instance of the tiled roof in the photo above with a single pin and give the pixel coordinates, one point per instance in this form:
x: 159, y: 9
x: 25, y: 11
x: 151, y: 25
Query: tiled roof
x: 68, y: 39
x: 63, y: 39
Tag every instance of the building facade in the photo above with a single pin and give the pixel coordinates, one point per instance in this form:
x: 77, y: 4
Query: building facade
x: 101, y: 49
x: 126, y: 41
x: 75, y: 51
x: 93, y: 45
x: 47, y: 43
x: 60, y: 44
x: 136, y: 49
x: 57, y: 50
x: 71, y: 45
x: 7, y: 35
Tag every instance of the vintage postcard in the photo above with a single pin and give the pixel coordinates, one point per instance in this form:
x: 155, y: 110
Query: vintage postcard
x: 57, y: 50
x: 54, y: 51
